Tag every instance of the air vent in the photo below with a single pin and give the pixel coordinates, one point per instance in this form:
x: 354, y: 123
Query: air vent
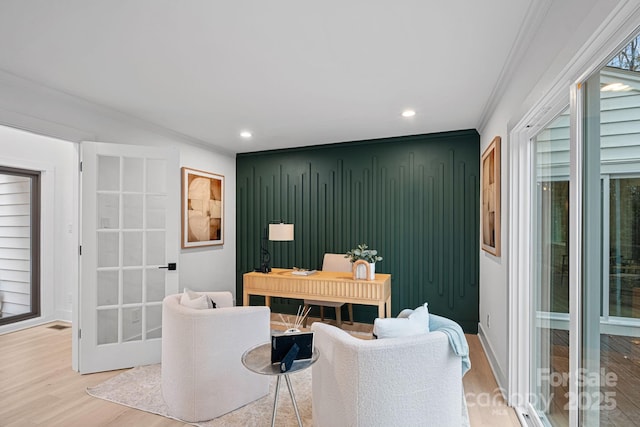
x: 59, y: 327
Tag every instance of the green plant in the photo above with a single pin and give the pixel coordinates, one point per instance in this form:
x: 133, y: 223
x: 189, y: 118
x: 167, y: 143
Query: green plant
x: 363, y: 252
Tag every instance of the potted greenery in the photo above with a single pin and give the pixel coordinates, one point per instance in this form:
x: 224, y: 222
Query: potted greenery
x: 361, y: 254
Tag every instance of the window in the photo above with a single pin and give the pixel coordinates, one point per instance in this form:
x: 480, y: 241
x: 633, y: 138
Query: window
x: 19, y: 245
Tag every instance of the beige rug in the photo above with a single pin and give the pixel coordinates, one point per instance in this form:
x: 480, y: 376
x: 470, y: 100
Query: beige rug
x: 139, y: 388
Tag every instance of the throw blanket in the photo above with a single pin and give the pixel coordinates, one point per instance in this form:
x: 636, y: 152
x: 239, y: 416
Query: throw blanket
x: 456, y: 336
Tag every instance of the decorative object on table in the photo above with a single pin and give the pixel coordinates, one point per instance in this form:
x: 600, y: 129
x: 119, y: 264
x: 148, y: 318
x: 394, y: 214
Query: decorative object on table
x: 289, y: 358
x: 281, y: 344
x: 364, y: 262
x: 292, y: 344
x: 275, y: 232
x: 490, y: 187
x: 202, y: 208
x: 297, y: 271
x: 301, y: 317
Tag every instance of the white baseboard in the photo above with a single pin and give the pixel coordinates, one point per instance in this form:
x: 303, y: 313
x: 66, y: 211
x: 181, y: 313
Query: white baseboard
x: 25, y: 324
x: 64, y: 315
x: 499, y: 375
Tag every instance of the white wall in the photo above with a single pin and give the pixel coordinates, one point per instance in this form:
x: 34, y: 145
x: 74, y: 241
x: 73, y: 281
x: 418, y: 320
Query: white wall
x: 43, y: 113
x: 213, y: 267
x: 57, y: 160
x: 559, y: 35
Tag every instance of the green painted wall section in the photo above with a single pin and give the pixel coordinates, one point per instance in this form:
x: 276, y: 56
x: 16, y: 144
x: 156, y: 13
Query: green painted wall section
x: 414, y: 199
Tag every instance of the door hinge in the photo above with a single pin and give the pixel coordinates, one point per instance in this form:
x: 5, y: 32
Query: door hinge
x: 80, y: 166
x: 79, y: 333
x: 80, y: 249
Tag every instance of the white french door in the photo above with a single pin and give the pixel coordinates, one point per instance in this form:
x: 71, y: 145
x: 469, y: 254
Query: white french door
x: 130, y: 223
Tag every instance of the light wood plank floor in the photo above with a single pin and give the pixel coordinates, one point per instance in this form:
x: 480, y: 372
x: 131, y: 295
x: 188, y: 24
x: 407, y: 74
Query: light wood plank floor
x: 38, y: 387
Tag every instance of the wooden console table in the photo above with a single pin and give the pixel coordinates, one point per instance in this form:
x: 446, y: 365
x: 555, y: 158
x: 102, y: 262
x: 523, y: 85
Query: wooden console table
x: 322, y: 285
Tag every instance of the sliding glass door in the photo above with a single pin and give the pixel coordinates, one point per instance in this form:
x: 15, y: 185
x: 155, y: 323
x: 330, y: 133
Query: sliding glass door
x: 19, y: 245
x: 550, y: 292
x: 610, y: 292
x: 584, y: 331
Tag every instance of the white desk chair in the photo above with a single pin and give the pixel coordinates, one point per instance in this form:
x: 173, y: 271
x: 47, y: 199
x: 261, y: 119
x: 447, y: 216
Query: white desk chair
x: 337, y: 263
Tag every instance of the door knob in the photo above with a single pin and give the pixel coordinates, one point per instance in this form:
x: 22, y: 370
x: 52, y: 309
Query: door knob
x: 170, y: 266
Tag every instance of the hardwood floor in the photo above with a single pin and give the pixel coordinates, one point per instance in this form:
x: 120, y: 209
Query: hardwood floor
x: 38, y: 387
x: 620, y: 361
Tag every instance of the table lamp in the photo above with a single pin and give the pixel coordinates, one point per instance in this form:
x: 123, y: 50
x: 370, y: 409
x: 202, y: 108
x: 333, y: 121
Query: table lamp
x: 276, y: 232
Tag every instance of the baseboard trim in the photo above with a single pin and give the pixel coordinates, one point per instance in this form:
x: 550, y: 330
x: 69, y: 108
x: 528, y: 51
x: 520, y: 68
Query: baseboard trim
x: 64, y: 315
x: 26, y: 324
x: 498, y: 374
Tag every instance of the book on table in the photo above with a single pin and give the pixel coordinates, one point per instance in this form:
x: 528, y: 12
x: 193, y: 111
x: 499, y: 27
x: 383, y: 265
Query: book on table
x: 303, y: 272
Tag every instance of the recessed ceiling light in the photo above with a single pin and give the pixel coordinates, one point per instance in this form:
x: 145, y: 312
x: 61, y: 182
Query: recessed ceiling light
x: 408, y: 113
x: 246, y: 134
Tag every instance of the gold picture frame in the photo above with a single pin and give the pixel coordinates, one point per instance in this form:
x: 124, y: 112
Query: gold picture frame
x: 202, y: 208
x: 490, y: 188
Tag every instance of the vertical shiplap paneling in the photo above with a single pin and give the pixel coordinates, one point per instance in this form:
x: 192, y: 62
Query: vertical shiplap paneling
x: 415, y: 199
x: 474, y: 229
x: 450, y: 185
x: 422, y: 224
x: 430, y: 236
x: 441, y: 248
x: 461, y: 210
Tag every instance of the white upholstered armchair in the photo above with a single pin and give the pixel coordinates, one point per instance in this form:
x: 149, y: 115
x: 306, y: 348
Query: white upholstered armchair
x: 202, y: 372
x: 406, y: 381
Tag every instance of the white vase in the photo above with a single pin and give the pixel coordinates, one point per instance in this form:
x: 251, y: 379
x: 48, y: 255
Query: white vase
x: 361, y: 271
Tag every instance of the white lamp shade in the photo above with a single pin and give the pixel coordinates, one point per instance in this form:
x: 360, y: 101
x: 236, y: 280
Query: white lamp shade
x: 281, y: 232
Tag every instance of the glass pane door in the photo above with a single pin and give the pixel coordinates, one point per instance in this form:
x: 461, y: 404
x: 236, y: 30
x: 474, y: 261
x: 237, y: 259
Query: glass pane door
x: 550, y: 293
x: 130, y: 249
x: 610, y: 292
x: 129, y: 237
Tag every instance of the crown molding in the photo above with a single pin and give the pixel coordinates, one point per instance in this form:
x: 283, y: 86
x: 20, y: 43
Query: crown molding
x: 534, y: 17
x: 31, y: 106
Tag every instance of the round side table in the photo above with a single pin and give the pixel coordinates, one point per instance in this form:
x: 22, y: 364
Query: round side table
x: 258, y: 360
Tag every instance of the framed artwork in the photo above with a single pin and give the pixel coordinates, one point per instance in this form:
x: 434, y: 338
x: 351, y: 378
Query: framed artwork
x: 490, y: 187
x: 202, y: 208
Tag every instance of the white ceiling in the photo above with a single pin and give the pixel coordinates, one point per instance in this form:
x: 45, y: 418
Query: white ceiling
x: 293, y: 72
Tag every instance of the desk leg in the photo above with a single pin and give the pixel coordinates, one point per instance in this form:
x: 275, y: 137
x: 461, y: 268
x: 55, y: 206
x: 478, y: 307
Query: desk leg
x: 245, y: 299
x: 267, y: 301
x: 275, y: 402
x: 381, y: 310
x: 389, y: 306
x: 293, y: 399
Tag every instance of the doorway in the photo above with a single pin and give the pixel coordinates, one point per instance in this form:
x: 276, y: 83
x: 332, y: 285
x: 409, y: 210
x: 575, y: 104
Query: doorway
x: 19, y: 245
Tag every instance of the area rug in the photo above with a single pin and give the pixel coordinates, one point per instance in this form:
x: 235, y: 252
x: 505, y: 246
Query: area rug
x: 139, y: 388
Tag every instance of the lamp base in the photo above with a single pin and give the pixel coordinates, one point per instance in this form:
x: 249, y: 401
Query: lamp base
x: 264, y: 268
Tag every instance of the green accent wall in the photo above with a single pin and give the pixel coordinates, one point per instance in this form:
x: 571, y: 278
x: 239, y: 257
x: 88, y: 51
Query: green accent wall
x: 415, y: 199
